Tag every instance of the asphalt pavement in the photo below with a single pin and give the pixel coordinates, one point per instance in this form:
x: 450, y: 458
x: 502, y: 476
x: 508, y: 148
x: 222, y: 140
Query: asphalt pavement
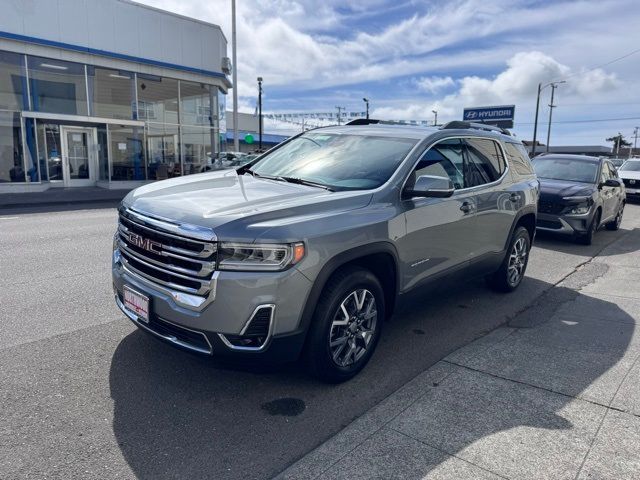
x: 86, y: 395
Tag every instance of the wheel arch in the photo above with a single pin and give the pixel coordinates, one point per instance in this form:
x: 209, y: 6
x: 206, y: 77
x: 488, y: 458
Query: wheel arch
x: 381, y: 258
x: 526, y: 218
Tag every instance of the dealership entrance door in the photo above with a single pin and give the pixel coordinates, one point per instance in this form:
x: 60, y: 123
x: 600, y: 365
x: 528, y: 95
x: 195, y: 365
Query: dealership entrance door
x: 79, y: 156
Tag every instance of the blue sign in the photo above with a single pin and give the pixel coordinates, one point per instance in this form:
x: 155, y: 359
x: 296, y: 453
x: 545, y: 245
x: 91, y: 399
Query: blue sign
x: 500, y: 116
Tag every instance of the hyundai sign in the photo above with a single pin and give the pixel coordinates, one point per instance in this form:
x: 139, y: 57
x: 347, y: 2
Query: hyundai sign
x: 501, y: 116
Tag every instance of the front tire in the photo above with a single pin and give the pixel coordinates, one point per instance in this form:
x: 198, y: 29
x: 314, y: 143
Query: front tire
x: 615, y: 223
x: 511, y: 272
x: 346, y: 325
x: 587, y: 238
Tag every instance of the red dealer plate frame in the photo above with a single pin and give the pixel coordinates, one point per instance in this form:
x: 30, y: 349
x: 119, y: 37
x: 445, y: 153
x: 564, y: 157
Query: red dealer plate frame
x: 136, y: 303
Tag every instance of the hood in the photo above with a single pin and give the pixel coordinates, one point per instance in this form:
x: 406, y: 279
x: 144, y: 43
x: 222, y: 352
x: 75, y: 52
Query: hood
x: 222, y: 197
x: 562, y: 188
x: 626, y: 174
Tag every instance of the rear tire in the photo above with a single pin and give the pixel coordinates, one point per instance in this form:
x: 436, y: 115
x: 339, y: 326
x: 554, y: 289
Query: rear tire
x: 346, y: 325
x: 615, y: 223
x: 511, y: 272
x: 587, y: 238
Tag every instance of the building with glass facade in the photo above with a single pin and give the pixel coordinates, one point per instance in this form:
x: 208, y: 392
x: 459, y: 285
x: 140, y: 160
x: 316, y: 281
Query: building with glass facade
x: 109, y: 93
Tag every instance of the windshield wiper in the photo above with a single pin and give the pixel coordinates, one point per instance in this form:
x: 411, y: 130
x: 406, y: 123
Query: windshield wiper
x: 298, y: 181
x: 302, y: 181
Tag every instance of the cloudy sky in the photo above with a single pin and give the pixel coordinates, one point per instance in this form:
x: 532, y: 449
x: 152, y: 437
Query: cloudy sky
x: 411, y: 57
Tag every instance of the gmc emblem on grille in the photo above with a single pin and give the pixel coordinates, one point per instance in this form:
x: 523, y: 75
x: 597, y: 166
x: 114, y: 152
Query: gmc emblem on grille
x: 144, y: 243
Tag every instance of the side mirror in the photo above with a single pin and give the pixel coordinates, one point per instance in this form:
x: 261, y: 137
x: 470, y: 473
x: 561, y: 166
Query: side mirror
x: 431, y: 186
x: 612, y: 182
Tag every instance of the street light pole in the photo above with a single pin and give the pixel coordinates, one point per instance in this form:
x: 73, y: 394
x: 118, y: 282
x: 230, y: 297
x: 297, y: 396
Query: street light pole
x: 260, y: 114
x: 551, y: 107
x: 366, y: 102
x: 340, y: 114
x: 435, y: 120
x: 535, y: 123
x: 236, y: 140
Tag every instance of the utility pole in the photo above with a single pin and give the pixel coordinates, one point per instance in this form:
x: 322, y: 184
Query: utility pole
x: 236, y: 140
x: 535, y: 122
x: 340, y: 114
x: 435, y: 120
x: 551, y: 107
x: 260, y: 114
x: 635, y: 141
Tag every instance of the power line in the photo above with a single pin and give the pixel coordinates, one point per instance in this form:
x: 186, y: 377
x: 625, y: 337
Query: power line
x: 603, y: 65
x: 598, y: 120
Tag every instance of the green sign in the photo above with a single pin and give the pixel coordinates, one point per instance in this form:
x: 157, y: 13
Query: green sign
x: 248, y: 138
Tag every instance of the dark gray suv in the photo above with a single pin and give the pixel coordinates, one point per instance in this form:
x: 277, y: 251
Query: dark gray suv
x: 307, y: 249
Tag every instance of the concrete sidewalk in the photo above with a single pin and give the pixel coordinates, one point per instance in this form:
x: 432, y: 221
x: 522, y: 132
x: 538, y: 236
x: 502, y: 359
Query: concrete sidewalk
x: 62, y: 197
x: 553, y: 394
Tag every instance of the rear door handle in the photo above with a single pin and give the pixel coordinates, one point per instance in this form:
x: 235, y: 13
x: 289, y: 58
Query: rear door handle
x: 465, y: 207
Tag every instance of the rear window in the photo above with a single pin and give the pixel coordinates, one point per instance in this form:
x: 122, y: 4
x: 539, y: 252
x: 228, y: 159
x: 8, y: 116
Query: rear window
x: 519, y: 158
x: 567, y: 169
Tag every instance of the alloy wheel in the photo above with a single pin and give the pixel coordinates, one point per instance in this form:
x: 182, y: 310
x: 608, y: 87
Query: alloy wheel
x: 353, y: 327
x: 517, y: 261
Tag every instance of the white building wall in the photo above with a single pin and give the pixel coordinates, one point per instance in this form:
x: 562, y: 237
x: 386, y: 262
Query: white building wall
x: 119, y: 27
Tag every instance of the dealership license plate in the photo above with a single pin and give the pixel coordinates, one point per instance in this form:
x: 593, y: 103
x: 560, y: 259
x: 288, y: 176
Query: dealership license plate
x: 137, y: 303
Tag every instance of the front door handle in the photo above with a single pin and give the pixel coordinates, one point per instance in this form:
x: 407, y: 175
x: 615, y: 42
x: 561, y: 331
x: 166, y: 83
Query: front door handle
x: 465, y: 207
x: 515, y: 197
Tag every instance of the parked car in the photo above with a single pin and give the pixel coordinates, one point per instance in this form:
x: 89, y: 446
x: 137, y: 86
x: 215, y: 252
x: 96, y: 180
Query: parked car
x: 578, y: 194
x: 617, y: 162
x: 629, y: 173
x: 308, y: 248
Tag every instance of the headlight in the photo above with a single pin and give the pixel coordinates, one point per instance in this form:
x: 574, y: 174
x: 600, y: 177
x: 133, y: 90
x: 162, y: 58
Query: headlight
x: 578, y: 209
x: 259, y: 257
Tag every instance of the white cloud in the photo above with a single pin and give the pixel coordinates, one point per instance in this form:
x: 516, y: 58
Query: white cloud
x: 516, y: 84
x: 433, y: 84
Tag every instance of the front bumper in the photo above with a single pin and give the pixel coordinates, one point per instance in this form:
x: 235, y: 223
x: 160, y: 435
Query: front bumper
x: 564, y: 224
x: 236, y: 297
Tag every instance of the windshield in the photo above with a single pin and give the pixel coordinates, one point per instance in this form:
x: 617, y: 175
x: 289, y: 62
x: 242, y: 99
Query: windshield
x: 342, y: 162
x: 630, y: 166
x: 566, y: 169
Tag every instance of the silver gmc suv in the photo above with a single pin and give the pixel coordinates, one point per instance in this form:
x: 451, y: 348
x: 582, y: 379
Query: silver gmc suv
x: 305, y: 251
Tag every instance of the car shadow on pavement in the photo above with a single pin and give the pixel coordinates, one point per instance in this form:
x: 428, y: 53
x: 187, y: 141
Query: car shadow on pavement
x: 180, y: 415
x: 603, y: 238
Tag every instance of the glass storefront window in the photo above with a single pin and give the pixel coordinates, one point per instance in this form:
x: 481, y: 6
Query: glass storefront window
x: 57, y: 86
x: 111, y: 92
x: 157, y: 99
x: 103, y: 153
x: 13, y: 82
x: 126, y: 144
x: 221, y: 140
x: 197, y: 149
x: 31, y: 150
x: 11, y: 164
x: 164, y: 151
x: 50, y: 151
x: 195, y: 104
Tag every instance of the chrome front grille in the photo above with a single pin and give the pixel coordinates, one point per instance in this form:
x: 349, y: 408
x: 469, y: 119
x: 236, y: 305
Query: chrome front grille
x: 177, y: 257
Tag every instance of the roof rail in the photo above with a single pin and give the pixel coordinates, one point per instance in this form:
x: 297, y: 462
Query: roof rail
x: 460, y: 125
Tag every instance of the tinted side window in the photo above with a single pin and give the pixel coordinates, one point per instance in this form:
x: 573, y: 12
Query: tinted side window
x: 605, y: 175
x: 485, y: 163
x: 519, y: 158
x: 444, y: 159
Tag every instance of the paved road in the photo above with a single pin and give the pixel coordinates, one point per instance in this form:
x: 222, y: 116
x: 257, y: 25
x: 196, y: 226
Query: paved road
x: 84, y: 394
